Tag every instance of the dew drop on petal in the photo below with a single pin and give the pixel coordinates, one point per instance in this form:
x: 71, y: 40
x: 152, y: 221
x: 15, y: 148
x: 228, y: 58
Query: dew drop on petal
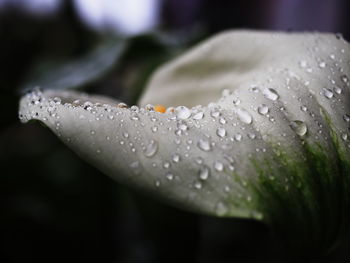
x: 251, y: 136
x: 122, y: 105
x: 328, y: 93
x: 299, y: 127
x: 151, y: 149
x: 183, y: 112
x: 218, y: 166
x: 204, y: 145
x: 244, y: 116
x: 263, y: 109
x: 222, y: 120
x: 169, y: 176
x: 238, y: 137
x: 236, y: 101
x: 176, y: 158
x: 215, y: 113
x: 204, y: 173
x: 221, y: 132
x: 254, y: 89
x: 198, y: 115
x: 303, y: 108
x: 322, y: 64
x: 197, y: 185
x: 337, y: 90
x: 199, y: 160
x: 344, y: 78
x: 270, y: 94
x: 166, y: 165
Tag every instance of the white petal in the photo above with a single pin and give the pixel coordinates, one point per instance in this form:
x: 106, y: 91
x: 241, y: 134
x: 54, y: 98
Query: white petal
x: 183, y: 160
x: 273, y: 147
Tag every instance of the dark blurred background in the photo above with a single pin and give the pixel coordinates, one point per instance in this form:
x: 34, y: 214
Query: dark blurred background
x: 56, y: 208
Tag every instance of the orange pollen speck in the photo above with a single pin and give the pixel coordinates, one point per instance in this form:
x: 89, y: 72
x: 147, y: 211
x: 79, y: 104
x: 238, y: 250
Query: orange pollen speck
x: 160, y: 108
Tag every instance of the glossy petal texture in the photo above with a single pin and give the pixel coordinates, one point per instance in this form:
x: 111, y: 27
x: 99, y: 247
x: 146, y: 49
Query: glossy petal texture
x: 274, y: 147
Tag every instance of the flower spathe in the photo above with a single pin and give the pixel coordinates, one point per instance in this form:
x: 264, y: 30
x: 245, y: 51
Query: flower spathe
x: 270, y: 144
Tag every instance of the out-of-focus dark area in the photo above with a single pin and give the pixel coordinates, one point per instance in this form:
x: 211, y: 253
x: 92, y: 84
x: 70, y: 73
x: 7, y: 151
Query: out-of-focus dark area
x: 56, y: 208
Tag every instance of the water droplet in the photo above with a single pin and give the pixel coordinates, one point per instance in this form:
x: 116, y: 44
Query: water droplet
x: 222, y: 120
x: 154, y: 129
x: 344, y: 136
x: 251, y: 136
x: 176, y: 158
x: 270, y: 94
x: 218, y: 166
x: 122, y: 105
x: 236, y: 101
x: 254, y: 89
x: 134, y: 108
x: 204, y: 173
x: 134, y: 117
x: 238, y: 137
x: 199, y: 160
x: 263, y: 109
x: 299, y: 127
x: 322, y: 64
x: 169, y: 176
x: 126, y: 135
x: 183, y: 126
x: 151, y: 149
x: 337, y: 90
x: 198, y: 185
x: 166, y: 165
x: 344, y: 78
x: 183, y: 112
x: 221, y: 209
x: 346, y: 117
x: 149, y: 107
x: 198, y: 116
x: 204, y: 145
x: 215, y: 114
x: 221, y: 132
x: 157, y: 183
x: 303, y: 108
x: 328, y: 93
x: 244, y: 116
x: 92, y: 132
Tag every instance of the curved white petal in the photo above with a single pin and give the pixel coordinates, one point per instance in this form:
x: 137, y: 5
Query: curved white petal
x: 273, y: 147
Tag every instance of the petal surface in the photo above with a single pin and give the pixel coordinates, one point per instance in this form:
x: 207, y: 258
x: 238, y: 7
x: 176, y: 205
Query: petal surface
x: 273, y: 146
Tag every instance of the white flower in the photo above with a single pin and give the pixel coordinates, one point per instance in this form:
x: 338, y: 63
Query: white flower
x: 272, y: 143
